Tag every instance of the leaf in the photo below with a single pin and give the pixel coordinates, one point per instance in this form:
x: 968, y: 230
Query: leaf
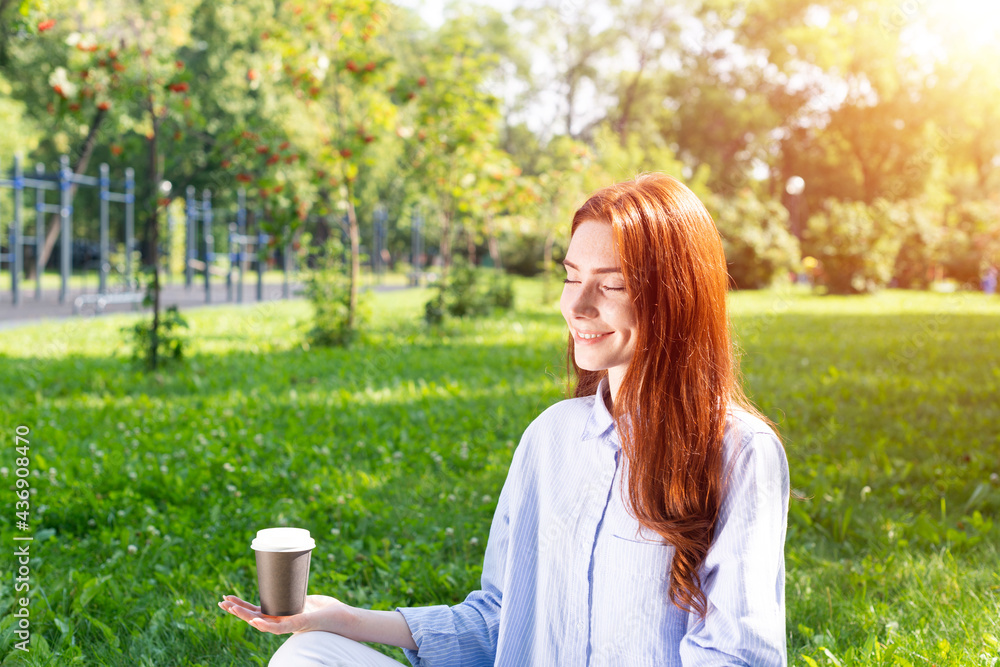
x: 109, y: 634
x: 90, y: 589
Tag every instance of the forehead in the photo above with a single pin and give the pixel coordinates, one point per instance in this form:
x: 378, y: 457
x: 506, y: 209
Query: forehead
x: 593, y: 243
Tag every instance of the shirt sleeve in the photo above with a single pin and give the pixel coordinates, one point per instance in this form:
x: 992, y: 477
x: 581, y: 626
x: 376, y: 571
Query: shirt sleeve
x: 744, y: 572
x: 466, y: 634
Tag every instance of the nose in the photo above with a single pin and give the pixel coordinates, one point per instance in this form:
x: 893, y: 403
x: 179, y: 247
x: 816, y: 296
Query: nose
x: 581, y: 300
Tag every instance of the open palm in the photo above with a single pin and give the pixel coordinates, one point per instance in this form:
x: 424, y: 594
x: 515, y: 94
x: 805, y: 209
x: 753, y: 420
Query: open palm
x: 321, y: 612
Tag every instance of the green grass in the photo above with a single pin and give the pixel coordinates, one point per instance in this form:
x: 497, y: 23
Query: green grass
x: 887, y: 406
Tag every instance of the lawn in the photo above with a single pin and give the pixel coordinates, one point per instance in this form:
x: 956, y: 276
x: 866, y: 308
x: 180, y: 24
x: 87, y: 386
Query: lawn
x: 147, y: 489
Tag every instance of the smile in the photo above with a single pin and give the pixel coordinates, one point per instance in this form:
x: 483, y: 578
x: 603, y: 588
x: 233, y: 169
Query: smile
x: 591, y: 336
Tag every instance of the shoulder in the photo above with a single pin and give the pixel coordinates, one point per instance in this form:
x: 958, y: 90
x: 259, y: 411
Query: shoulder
x: 750, y: 441
x: 555, y: 428
x: 566, y: 416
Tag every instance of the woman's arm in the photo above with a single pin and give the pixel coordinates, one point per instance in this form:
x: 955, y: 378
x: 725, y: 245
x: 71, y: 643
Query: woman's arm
x: 329, y: 615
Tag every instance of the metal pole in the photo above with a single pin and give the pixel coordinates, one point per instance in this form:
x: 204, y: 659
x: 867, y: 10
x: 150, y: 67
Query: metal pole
x: 15, y: 231
x: 39, y: 231
x: 261, y: 254
x: 285, y: 259
x: 129, y: 225
x: 105, y: 182
x: 189, y: 237
x: 206, y: 216
x: 231, y: 247
x: 241, y: 229
x: 171, y: 224
x: 65, y: 233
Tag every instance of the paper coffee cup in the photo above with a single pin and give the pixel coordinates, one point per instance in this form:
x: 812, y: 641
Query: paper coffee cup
x: 283, y: 569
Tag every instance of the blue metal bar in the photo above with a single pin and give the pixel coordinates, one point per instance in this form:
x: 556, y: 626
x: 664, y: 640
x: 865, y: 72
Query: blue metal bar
x: 105, y: 183
x: 66, y: 232
x: 15, y: 235
x: 209, y: 242
x: 129, y: 225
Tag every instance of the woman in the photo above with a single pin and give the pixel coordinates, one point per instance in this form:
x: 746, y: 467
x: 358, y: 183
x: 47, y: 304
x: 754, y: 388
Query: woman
x: 643, y: 521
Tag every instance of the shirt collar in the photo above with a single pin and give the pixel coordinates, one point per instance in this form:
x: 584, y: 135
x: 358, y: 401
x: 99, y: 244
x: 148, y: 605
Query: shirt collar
x: 600, y: 421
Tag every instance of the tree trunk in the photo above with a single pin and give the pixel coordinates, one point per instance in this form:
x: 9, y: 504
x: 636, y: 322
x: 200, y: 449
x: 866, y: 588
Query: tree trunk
x: 493, y: 242
x: 86, y: 150
x: 445, y: 241
x: 470, y: 244
x: 152, y: 225
x: 352, y: 221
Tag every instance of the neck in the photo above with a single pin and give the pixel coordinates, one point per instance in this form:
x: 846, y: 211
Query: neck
x: 614, y: 382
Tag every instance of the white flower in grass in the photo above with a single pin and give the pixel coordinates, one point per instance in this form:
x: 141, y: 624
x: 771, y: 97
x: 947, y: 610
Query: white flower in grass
x: 4, y: 471
x: 473, y: 541
x: 486, y: 498
x: 340, y: 500
x: 132, y: 549
x: 335, y: 531
x: 449, y: 531
x: 228, y: 467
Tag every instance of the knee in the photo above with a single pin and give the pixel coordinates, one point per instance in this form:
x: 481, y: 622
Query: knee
x: 299, y: 650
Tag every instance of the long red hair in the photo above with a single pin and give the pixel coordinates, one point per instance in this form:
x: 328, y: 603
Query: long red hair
x: 670, y: 410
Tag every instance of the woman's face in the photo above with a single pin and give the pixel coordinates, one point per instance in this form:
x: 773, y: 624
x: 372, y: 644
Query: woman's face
x: 597, y: 309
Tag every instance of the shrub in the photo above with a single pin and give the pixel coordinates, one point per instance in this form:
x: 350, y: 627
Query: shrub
x: 328, y: 288
x: 465, y: 293
x: 856, y: 244
x: 971, y: 241
x: 920, y: 247
x: 166, y: 344
x: 758, y: 245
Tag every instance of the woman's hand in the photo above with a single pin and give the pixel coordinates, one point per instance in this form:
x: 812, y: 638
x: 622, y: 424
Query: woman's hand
x: 321, y: 612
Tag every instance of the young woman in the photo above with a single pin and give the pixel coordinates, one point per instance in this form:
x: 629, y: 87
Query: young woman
x: 643, y: 521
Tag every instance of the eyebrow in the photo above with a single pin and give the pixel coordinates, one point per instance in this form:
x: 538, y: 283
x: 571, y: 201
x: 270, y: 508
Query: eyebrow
x: 607, y: 269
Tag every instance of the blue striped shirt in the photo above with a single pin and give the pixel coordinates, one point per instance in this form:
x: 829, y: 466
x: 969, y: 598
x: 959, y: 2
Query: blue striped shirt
x: 569, y: 578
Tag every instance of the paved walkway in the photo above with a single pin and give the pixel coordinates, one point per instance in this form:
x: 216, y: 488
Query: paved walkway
x: 49, y: 308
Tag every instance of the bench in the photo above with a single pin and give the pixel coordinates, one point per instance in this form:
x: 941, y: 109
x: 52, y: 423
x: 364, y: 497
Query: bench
x: 101, y: 301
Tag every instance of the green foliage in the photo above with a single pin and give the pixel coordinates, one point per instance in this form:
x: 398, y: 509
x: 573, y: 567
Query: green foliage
x: 920, y: 245
x: 165, y: 345
x: 856, y: 244
x: 759, y: 247
x: 468, y: 291
x: 971, y: 241
x: 328, y: 288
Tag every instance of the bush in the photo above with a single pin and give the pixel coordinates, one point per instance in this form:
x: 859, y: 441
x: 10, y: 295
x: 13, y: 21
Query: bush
x: 168, y: 345
x: 758, y: 245
x: 856, y: 244
x: 328, y: 288
x: 920, y: 246
x: 971, y: 242
x: 463, y: 293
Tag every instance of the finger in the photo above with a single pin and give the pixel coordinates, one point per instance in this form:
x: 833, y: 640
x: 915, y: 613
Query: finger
x: 238, y: 611
x: 242, y: 603
x: 274, y: 624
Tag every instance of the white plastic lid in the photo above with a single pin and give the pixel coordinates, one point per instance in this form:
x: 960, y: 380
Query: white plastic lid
x: 283, y: 539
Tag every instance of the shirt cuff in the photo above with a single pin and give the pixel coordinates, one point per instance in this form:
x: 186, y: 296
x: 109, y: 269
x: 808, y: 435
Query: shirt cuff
x: 417, y: 618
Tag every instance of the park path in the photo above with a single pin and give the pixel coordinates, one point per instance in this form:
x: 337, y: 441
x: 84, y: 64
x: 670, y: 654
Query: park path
x: 30, y: 311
